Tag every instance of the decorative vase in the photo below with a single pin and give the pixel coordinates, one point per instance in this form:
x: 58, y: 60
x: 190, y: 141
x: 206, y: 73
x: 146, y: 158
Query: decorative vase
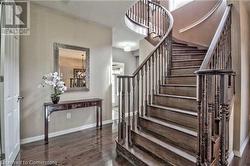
x: 55, y: 99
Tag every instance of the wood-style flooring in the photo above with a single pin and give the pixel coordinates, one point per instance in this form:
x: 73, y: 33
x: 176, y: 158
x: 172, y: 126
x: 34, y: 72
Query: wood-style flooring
x: 244, y: 160
x: 86, y: 148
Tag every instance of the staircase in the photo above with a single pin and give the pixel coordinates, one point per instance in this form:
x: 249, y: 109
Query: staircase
x: 176, y: 116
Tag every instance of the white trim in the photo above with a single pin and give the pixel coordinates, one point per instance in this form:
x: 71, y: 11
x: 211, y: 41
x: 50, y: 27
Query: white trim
x: 230, y: 158
x: 136, y: 28
x: 62, y: 132
x: 239, y: 153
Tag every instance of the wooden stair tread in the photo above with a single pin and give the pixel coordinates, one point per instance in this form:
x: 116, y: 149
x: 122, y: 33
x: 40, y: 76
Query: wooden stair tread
x: 187, y: 60
x: 181, y: 75
x: 175, y: 110
x: 184, y: 67
x: 172, y: 126
x: 188, y: 53
x: 142, y: 156
x: 176, y: 96
x: 188, y: 49
x: 178, y: 85
x: 167, y: 146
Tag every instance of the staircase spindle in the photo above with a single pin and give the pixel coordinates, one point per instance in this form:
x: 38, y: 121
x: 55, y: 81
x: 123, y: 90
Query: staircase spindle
x: 129, y: 121
x: 119, y: 109
x: 142, y: 92
x: 146, y: 88
x: 133, y: 92
x: 123, y: 126
x: 138, y: 95
x: 149, y: 81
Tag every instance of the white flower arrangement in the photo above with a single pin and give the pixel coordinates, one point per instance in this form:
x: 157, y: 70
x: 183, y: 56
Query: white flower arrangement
x: 54, y: 80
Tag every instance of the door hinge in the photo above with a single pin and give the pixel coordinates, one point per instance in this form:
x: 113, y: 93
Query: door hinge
x: 2, y: 156
x: 1, y: 78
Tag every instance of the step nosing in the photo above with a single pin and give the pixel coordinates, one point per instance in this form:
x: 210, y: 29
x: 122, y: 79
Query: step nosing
x: 175, y: 110
x: 172, y: 126
x: 187, y: 60
x: 168, y: 146
x: 185, y: 67
x: 179, y: 85
x: 176, y: 96
x: 181, y: 75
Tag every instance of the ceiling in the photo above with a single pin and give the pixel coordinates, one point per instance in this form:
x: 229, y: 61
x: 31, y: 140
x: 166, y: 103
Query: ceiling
x: 106, y: 12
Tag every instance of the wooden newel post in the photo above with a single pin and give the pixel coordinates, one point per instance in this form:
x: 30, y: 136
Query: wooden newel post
x: 224, y: 122
x: 119, y: 111
x: 123, y: 125
x: 199, y: 140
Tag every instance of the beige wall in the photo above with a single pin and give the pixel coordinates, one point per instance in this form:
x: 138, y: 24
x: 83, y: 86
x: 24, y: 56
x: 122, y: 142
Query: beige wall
x: 145, y: 48
x: 203, y: 33
x: 241, y: 65
x: 127, y: 58
x: 47, y: 27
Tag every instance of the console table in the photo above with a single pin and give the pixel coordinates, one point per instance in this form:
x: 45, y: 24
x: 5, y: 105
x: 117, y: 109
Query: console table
x: 49, y: 108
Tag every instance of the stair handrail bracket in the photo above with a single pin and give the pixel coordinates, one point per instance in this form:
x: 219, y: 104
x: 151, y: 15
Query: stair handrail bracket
x: 136, y: 91
x: 216, y: 88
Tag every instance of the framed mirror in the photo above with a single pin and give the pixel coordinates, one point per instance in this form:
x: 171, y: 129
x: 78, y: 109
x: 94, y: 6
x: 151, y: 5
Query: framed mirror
x: 72, y: 64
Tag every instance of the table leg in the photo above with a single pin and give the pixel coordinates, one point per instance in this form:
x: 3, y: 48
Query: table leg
x: 46, y: 125
x: 97, y: 117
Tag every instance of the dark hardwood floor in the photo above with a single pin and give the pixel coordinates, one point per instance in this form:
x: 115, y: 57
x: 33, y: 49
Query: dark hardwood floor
x: 86, y: 148
x: 244, y: 160
x: 89, y: 147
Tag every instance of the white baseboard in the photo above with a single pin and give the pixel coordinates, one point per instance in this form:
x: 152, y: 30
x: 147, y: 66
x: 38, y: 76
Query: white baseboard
x: 242, y: 148
x: 58, y: 133
x: 230, y: 157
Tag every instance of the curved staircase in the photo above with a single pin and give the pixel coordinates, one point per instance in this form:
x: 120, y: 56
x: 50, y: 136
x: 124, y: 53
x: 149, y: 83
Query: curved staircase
x: 176, y: 117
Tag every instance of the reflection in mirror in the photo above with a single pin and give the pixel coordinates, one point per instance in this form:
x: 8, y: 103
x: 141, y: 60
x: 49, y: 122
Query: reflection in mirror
x: 72, y: 63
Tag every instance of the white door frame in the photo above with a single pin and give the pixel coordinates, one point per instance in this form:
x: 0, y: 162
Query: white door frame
x: 10, y: 126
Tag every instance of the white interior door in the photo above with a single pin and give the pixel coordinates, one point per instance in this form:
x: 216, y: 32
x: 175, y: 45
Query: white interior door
x: 11, y: 114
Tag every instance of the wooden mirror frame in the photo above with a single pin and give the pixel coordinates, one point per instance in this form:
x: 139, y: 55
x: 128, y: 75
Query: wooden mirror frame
x: 56, y: 47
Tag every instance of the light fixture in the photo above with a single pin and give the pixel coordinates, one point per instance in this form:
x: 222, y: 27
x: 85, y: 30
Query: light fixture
x: 126, y: 45
x: 127, y: 49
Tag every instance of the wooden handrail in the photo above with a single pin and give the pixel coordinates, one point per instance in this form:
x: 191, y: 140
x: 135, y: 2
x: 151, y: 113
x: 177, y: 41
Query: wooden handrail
x: 214, y: 72
x: 216, y: 38
x: 203, y: 19
x: 171, y: 23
